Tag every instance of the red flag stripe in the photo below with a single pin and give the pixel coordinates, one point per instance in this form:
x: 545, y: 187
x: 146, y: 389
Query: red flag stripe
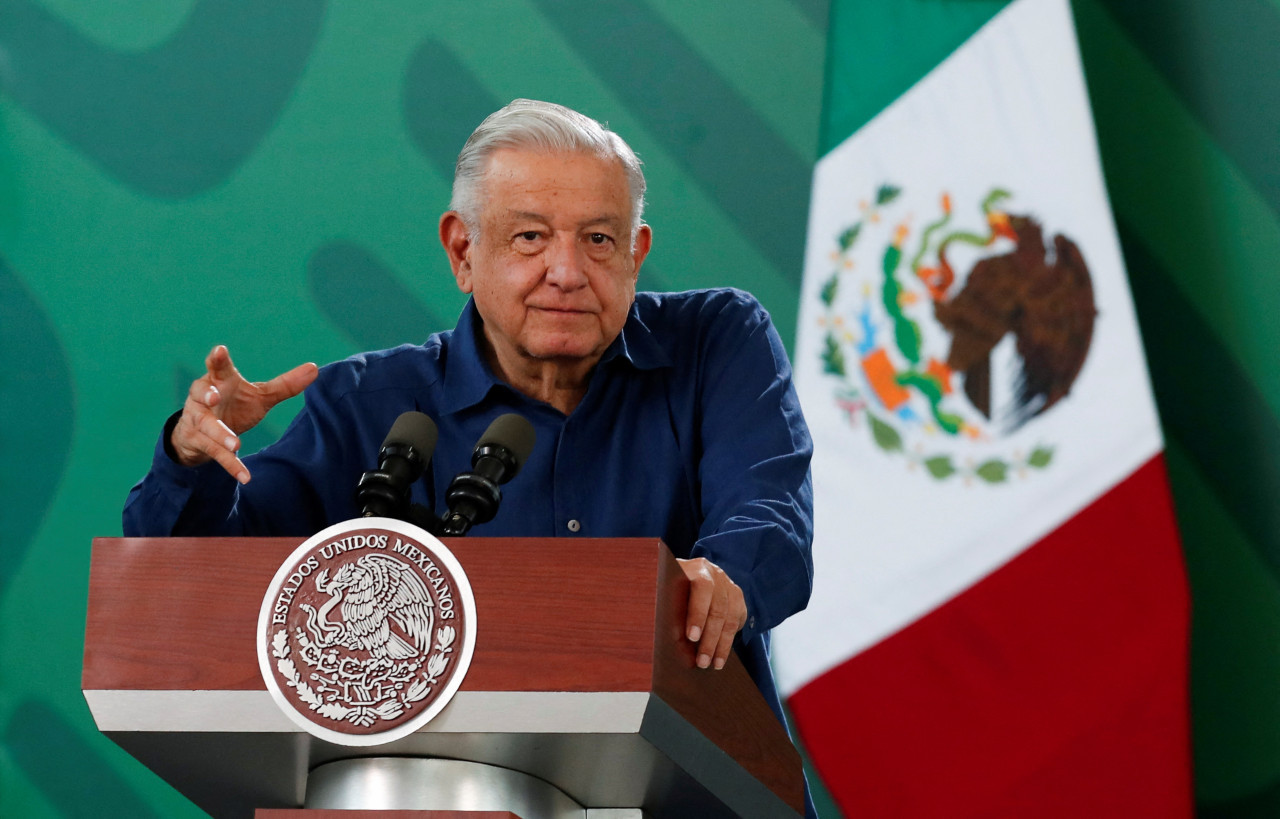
x: 1055, y: 687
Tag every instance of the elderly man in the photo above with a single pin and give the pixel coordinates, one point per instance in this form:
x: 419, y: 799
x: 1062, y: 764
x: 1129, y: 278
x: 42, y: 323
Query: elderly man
x: 668, y: 415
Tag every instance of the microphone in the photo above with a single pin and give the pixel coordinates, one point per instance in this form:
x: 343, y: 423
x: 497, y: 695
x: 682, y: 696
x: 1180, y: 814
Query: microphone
x: 405, y: 453
x: 473, y: 497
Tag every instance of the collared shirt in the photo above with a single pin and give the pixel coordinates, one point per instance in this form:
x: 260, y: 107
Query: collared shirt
x: 690, y: 430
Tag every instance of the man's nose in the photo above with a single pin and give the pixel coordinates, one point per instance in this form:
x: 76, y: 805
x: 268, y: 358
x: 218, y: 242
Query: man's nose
x: 566, y: 263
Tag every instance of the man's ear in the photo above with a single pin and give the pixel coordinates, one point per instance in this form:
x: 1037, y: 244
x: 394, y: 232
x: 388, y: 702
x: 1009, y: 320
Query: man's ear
x: 640, y: 247
x: 456, y: 239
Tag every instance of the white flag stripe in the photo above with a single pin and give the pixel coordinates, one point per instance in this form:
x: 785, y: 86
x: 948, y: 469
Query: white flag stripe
x: 1007, y: 110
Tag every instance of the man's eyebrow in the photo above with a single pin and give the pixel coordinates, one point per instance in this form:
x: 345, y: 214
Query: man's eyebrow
x: 609, y: 219
x: 526, y: 214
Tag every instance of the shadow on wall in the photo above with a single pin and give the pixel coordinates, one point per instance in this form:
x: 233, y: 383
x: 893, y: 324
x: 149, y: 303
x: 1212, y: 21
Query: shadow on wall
x: 35, y: 430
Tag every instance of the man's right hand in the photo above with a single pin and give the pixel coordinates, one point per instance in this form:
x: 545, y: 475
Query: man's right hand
x: 221, y: 405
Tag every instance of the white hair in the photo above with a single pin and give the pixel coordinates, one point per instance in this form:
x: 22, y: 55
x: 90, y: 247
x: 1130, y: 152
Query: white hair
x: 539, y: 126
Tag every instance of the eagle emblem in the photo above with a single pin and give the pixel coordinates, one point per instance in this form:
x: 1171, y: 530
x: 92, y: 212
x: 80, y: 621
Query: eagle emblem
x: 942, y: 359
x: 366, y: 631
x: 374, y: 592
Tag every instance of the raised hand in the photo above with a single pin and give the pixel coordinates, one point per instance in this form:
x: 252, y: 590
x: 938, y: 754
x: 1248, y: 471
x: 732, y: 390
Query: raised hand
x: 221, y: 405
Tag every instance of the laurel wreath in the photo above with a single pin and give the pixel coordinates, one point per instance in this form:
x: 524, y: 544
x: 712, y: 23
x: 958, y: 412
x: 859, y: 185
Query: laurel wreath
x: 364, y: 715
x: 940, y: 466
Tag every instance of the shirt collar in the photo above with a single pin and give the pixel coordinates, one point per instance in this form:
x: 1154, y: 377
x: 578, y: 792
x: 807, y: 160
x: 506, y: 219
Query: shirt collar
x: 637, y: 344
x: 468, y: 379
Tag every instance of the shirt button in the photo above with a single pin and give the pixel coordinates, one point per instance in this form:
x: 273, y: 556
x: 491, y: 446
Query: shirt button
x: 574, y: 526
x: 751, y: 622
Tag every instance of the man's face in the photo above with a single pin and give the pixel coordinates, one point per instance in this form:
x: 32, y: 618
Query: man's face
x: 553, y: 272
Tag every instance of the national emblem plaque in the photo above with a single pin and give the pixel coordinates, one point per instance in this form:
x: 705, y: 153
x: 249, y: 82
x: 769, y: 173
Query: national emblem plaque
x: 366, y: 631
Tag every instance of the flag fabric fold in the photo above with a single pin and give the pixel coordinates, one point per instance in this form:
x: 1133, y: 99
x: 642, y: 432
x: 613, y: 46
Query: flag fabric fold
x: 999, y: 621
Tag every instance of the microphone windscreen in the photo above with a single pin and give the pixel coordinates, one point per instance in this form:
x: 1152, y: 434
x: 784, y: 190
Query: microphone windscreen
x: 415, y: 429
x: 513, y: 432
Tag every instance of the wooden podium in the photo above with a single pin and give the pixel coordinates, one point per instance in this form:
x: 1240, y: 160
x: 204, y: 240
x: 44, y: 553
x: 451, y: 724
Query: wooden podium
x: 581, y: 678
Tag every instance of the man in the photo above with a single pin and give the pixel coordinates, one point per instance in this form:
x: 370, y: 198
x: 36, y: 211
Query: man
x: 667, y: 415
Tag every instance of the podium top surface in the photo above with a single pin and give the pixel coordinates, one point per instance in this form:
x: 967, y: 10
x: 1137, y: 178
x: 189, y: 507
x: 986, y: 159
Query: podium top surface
x: 580, y: 650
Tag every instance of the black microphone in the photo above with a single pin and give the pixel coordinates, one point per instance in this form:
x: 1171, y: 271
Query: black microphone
x: 473, y: 497
x: 405, y: 453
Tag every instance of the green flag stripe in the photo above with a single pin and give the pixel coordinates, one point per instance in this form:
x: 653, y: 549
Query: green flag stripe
x: 867, y: 70
x: 1235, y: 624
x: 1188, y: 202
x: 1212, y: 411
x: 1196, y: 380
x: 1223, y: 61
x: 1264, y: 804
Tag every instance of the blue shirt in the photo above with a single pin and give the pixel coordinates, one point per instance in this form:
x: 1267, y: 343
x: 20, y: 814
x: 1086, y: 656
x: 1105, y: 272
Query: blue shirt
x: 690, y: 430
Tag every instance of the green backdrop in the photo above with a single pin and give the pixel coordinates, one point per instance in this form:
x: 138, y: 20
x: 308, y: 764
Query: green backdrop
x: 268, y: 175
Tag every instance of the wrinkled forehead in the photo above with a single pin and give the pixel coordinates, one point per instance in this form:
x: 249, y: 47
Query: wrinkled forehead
x: 526, y: 182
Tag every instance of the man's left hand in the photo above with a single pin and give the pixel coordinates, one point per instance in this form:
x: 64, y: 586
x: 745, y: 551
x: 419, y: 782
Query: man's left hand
x: 717, y: 611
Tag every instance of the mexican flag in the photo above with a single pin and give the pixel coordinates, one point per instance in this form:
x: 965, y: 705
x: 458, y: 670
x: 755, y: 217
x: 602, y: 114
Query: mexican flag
x: 999, y: 624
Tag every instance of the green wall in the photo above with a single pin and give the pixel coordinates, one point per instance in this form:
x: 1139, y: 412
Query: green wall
x: 180, y: 173
x: 268, y: 175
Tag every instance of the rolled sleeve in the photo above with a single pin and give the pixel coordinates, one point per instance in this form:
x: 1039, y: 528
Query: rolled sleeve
x: 757, y: 493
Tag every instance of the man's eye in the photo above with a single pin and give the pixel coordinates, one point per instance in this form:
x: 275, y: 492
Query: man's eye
x: 529, y: 236
x: 599, y: 238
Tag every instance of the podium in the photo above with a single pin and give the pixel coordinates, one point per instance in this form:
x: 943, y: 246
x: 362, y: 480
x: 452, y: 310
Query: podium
x: 581, y: 679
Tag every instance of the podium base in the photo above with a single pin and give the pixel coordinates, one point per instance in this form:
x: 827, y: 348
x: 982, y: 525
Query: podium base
x: 401, y: 783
